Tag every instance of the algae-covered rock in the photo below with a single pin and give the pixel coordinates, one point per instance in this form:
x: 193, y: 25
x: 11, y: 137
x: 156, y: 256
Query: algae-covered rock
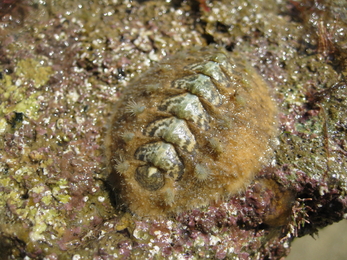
x: 63, y: 65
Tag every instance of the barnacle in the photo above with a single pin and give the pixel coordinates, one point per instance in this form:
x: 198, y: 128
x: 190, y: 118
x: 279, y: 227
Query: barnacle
x: 207, y: 128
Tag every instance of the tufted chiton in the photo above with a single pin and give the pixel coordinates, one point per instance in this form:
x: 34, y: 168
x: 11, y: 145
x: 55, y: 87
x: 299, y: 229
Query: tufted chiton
x: 193, y: 129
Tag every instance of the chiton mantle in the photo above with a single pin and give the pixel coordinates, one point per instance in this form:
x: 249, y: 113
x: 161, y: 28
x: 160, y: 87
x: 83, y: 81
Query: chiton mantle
x: 193, y: 129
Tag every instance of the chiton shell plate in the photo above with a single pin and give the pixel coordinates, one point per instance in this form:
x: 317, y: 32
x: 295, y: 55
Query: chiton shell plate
x: 193, y: 129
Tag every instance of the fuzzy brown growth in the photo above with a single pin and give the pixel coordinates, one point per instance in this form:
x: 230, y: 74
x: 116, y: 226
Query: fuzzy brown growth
x: 235, y: 119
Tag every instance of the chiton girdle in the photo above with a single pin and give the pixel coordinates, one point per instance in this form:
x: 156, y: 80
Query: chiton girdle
x: 194, y: 129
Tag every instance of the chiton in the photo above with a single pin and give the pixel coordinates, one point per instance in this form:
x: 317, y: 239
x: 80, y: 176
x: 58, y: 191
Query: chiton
x: 193, y: 129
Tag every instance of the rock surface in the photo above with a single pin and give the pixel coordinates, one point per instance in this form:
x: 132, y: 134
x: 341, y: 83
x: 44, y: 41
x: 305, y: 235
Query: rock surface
x: 64, y: 63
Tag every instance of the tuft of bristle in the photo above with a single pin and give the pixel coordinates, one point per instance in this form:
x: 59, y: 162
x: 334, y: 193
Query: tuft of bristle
x: 201, y: 173
x: 128, y: 136
x: 133, y: 108
x: 168, y: 197
x: 224, y: 123
x: 121, y: 166
x: 152, y: 88
x: 216, y: 145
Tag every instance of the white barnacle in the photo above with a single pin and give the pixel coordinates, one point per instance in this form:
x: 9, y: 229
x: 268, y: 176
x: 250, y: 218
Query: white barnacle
x: 134, y: 108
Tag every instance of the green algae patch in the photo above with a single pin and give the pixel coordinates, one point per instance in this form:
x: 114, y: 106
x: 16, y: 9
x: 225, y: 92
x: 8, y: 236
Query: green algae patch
x: 31, y: 69
x: 16, y: 89
x: 3, y: 125
x: 24, y: 172
x: 31, y: 212
x: 59, y: 191
x: 41, y: 220
x: 15, y: 99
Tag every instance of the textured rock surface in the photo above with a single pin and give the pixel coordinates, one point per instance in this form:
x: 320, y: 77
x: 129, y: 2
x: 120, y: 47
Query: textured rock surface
x: 62, y: 66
